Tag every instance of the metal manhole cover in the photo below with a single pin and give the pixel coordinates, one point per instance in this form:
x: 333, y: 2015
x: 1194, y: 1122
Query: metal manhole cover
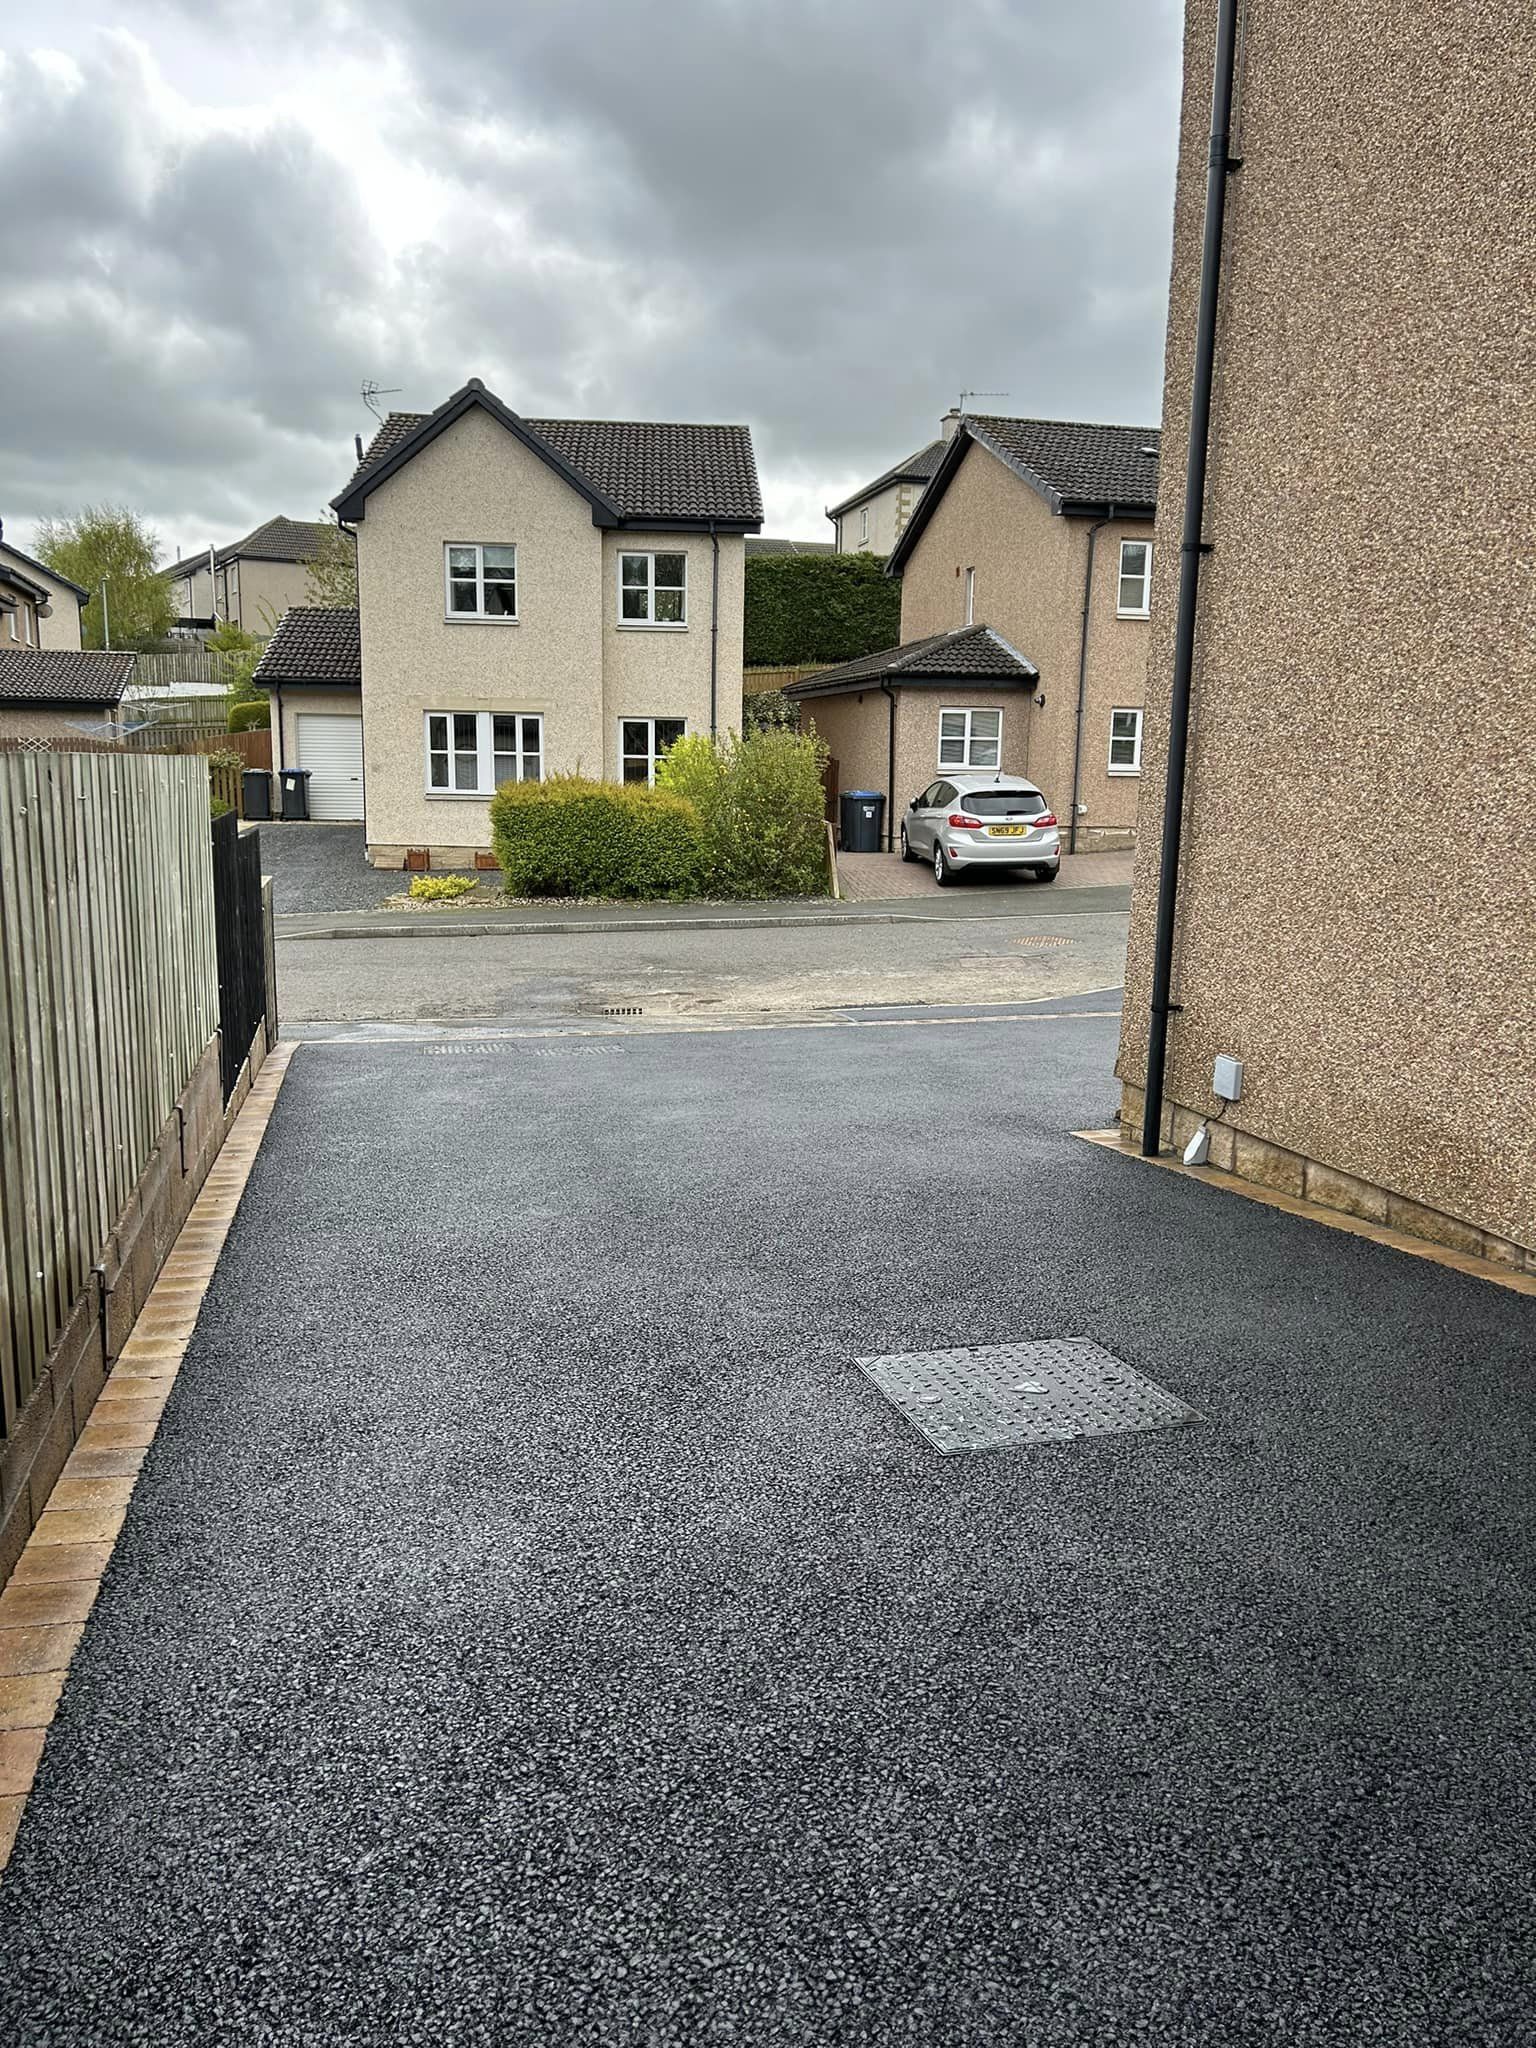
x: 993, y: 1395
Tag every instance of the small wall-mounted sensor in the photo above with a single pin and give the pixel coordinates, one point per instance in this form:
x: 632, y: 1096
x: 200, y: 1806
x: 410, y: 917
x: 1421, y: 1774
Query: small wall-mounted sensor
x: 1227, y: 1078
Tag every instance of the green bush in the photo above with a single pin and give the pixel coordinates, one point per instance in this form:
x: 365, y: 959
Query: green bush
x: 250, y: 716
x: 570, y: 836
x: 822, y: 608
x: 440, y: 888
x: 762, y: 805
x: 769, y: 711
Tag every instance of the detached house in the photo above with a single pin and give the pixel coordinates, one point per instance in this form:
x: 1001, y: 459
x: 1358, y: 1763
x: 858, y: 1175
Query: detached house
x: 534, y: 597
x: 50, y: 691
x: 38, y: 606
x: 1026, y: 571
x: 250, y: 583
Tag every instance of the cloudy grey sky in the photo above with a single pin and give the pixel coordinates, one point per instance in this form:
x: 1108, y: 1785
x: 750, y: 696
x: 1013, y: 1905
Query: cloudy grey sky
x: 823, y: 219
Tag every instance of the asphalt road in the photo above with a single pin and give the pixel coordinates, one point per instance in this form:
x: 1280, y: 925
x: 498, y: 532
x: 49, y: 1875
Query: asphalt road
x: 743, y: 970
x: 531, y: 1628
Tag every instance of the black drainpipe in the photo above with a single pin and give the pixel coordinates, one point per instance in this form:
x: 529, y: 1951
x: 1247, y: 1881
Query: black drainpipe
x: 277, y: 721
x: 714, y: 632
x: 890, y: 766
x: 1192, y: 547
x: 1082, y: 677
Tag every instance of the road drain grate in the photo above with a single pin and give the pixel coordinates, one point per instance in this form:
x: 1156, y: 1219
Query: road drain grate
x: 621, y: 1010
x: 517, y: 1045
x: 995, y: 1395
x: 1039, y: 940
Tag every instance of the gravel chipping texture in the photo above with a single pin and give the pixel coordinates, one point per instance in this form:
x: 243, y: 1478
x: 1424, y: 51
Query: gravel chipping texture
x: 324, y: 867
x: 531, y: 1627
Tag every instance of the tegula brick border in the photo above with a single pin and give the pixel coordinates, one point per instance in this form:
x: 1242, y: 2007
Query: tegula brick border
x: 50, y: 1593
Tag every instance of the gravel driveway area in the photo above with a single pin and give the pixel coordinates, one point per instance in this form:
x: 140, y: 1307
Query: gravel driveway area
x: 323, y: 867
x: 530, y: 1627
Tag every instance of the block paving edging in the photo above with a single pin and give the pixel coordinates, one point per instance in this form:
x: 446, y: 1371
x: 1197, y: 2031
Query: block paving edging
x: 45, y: 1603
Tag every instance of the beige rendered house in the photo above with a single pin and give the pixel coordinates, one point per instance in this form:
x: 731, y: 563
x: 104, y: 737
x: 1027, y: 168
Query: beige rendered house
x: 1355, y: 916
x: 38, y: 606
x: 250, y: 583
x: 1026, y: 572
x: 875, y: 516
x: 534, y: 597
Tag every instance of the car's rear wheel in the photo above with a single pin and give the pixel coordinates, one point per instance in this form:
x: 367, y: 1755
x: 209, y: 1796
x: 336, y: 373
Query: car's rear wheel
x: 943, y: 873
x: 1047, y: 874
x: 906, y: 851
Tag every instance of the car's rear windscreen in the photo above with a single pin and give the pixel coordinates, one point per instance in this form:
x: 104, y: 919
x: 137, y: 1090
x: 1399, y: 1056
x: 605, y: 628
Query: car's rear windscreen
x: 1003, y: 803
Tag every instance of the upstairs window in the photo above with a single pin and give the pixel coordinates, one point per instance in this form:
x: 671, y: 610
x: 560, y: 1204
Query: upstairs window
x: 970, y: 739
x: 471, y: 753
x: 653, y: 590
x: 863, y: 524
x: 1135, y: 598
x: 481, y: 581
x: 1125, y: 743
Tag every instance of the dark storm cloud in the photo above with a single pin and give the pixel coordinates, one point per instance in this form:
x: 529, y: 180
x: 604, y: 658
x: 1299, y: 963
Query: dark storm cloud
x: 823, y: 220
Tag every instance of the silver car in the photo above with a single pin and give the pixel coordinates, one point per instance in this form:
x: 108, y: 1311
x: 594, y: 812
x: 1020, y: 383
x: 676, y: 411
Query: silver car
x: 999, y: 821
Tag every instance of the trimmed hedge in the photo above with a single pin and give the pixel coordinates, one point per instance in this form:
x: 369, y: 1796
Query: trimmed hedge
x: 570, y: 836
x: 822, y: 608
x: 250, y: 716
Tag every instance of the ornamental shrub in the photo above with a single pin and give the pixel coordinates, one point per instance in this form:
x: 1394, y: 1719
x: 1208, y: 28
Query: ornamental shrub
x: 760, y: 799
x: 250, y: 717
x: 440, y: 888
x: 570, y: 836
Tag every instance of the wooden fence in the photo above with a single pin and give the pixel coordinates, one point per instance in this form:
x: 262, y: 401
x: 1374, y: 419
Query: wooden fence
x: 109, y: 997
x: 754, y: 680
x: 182, y: 668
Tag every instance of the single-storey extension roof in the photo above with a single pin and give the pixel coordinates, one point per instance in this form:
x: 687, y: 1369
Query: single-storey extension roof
x: 61, y: 677
x: 632, y: 472
x: 314, y: 644
x: 275, y: 540
x: 1075, y: 466
x: 974, y: 654
x: 917, y: 469
x: 767, y: 544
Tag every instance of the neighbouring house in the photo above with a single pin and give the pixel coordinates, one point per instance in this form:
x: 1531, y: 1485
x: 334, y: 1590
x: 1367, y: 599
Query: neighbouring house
x: 534, y: 597
x: 876, y: 516
x: 60, y: 694
x: 38, y: 606
x: 312, y: 669
x: 250, y: 583
x: 1355, y: 917
x: 1031, y: 551
x: 768, y: 544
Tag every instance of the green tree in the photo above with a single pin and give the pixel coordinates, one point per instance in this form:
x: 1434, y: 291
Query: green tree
x: 331, y: 571
x: 823, y: 608
x: 237, y: 653
x: 109, y: 544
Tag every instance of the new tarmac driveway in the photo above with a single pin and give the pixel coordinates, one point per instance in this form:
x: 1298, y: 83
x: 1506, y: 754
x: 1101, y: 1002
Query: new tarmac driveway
x: 531, y: 1627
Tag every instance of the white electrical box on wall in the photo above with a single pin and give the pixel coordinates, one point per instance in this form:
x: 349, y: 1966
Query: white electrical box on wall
x: 1227, y: 1078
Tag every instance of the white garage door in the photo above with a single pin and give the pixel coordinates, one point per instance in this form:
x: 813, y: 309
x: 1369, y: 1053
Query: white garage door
x: 331, y: 749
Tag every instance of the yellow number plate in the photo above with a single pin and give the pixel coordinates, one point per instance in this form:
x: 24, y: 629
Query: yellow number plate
x: 1007, y: 831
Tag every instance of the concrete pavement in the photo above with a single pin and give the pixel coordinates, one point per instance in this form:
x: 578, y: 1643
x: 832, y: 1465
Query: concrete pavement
x: 531, y: 1628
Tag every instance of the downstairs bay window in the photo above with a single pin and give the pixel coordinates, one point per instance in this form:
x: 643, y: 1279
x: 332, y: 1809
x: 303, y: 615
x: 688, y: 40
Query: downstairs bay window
x: 471, y: 753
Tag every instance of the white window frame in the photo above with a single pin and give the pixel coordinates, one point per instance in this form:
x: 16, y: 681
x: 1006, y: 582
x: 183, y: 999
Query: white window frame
x: 970, y: 597
x: 485, y: 751
x: 651, y: 756
x: 1144, y: 609
x: 650, y: 623
x: 863, y: 526
x: 1133, y: 767
x: 26, y: 622
x: 970, y: 737
x: 480, y: 616
x: 11, y: 622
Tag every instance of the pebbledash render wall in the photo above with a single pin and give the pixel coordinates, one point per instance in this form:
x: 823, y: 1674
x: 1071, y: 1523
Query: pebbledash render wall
x: 1357, y: 914
x: 1030, y: 564
x: 566, y: 658
x: 889, y: 510
x: 50, y: 722
x: 855, y: 726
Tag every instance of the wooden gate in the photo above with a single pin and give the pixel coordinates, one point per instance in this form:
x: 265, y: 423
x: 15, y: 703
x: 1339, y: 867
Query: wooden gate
x: 242, y: 960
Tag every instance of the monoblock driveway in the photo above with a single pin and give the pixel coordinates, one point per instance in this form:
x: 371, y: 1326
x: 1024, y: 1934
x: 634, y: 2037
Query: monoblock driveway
x: 531, y: 1627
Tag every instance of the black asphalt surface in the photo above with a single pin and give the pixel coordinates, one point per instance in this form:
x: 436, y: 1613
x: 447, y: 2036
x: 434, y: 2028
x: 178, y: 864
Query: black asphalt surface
x: 531, y: 1628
